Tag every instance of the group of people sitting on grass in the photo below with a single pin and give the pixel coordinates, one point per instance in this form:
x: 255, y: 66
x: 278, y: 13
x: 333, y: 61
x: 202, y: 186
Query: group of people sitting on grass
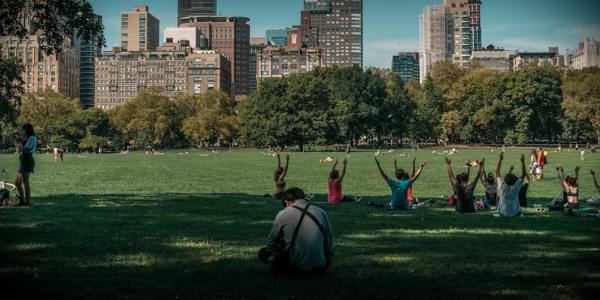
x: 296, y: 244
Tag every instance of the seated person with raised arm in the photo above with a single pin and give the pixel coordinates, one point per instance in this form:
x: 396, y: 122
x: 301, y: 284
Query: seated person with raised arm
x: 399, y: 186
x: 509, y: 205
x: 462, y: 188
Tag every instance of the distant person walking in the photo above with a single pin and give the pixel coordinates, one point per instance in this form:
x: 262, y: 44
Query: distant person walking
x: 541, y: 161
x: 582, y: 155
x: 28, y: 146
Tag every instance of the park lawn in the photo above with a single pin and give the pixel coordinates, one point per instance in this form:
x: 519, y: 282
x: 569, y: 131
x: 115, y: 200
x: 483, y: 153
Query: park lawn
x: 189, y: 226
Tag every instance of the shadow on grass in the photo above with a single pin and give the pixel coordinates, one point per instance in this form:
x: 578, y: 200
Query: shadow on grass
x: 204, y: 246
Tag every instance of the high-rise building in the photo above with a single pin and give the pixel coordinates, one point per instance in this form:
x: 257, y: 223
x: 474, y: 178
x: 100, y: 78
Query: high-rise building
x: 58, y: 72
x: 432, y: 39
x: 139, y: 29
x: 449, y: 32
x: 295, y: 58
x: 196, y: 8
x: 278, y: 37
x: 406, y: 64
x: 88, y: 51
x: 587, y: 55
x: 256, y: 46
x: 463, y: 25
x: 230, y: 36
x: 175, y: 68
x: 335, y: 26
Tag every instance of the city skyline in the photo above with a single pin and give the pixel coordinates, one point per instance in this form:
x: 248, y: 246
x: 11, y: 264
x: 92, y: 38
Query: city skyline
x: 392, y: 27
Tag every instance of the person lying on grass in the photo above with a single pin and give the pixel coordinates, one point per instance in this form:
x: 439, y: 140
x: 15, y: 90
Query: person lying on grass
x: 570, y: 186
x: 334, y: 194
x: 301, y: 239
x: 462, y: 188
x: 508, y: 205
x: 399, y: 186
x: 409, y: 193
x: 280, y: 176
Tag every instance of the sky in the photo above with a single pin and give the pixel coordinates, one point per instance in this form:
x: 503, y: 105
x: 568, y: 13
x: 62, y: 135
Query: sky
x: 391, y: 26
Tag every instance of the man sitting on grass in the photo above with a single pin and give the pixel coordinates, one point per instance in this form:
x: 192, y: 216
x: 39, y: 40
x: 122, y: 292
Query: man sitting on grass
x: 400, y: 186
x: 301, y: 239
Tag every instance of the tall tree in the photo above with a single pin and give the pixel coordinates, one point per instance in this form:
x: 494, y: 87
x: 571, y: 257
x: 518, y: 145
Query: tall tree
x: 53, y: 20
x: 582, y: 97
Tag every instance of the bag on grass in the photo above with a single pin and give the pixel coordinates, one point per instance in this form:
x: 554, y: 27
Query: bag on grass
x: 452, y: 200
x: 556, y: 205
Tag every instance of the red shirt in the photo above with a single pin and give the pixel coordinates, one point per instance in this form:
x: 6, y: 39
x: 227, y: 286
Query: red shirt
x: 541, y: 159
x: 335, y: 192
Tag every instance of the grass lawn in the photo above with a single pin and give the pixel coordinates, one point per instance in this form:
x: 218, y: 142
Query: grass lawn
x: 189, y: 226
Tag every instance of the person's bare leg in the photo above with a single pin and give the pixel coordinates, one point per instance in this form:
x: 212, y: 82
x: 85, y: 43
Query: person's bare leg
x: 19, y: 185
x: 27, y: 188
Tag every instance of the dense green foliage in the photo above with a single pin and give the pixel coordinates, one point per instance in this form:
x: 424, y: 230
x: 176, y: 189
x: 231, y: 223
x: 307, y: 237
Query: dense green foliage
x: 189, y: 226
x: 55, y: 20
x: 475, y: 105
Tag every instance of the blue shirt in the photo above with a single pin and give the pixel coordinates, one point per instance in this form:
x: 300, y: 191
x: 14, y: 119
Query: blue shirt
x: 31, y: 144
x: 399, y: 193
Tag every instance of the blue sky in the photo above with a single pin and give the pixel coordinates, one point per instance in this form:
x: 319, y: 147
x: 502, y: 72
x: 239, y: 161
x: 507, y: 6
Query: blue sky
x: 391, y: 26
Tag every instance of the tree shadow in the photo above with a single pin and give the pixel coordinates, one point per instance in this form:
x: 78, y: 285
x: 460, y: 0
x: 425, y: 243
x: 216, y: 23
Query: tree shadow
x: 204, y: 246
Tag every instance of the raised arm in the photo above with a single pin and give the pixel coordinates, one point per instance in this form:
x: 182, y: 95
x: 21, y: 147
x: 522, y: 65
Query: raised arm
x: 344, y: 162
x: 499, y: 165
x: 482, y: 178
x: 450, y: 173
x: 479, y: 171
x: 414, y: 178
x: 287, y: 163
x: 334, y: 165
x: 278, y: 161
x: 395, y: 165
x: 523, y: 169
x: 595, y: 182
x: 380, y: 169
x: 561, y: 177
x: 577, y: 172
x: 468, y: 165
x: 413, y: 170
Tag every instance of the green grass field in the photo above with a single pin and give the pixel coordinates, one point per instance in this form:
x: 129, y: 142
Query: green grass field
x: 189, y: 226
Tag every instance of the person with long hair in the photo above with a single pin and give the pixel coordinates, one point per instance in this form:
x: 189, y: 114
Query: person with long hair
x: 570, y: 186
x: 27, y: 148
x: 463, y: 190
x: 335, y: 194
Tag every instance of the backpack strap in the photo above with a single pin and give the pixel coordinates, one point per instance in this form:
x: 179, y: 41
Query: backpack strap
x: 321, y: 228
x: 304, y: 211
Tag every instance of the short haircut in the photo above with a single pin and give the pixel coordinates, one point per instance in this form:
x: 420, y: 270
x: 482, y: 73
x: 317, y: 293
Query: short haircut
x: 292, y: 194
x: 510, y: 179
x: 28, y: 129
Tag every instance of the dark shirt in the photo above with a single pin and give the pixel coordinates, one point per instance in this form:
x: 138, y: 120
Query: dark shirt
x: 523, y: 195
x: 464, y: 197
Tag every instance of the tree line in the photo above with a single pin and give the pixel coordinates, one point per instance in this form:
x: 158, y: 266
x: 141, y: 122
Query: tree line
x: 343, y: 105
x: 336, y: 106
